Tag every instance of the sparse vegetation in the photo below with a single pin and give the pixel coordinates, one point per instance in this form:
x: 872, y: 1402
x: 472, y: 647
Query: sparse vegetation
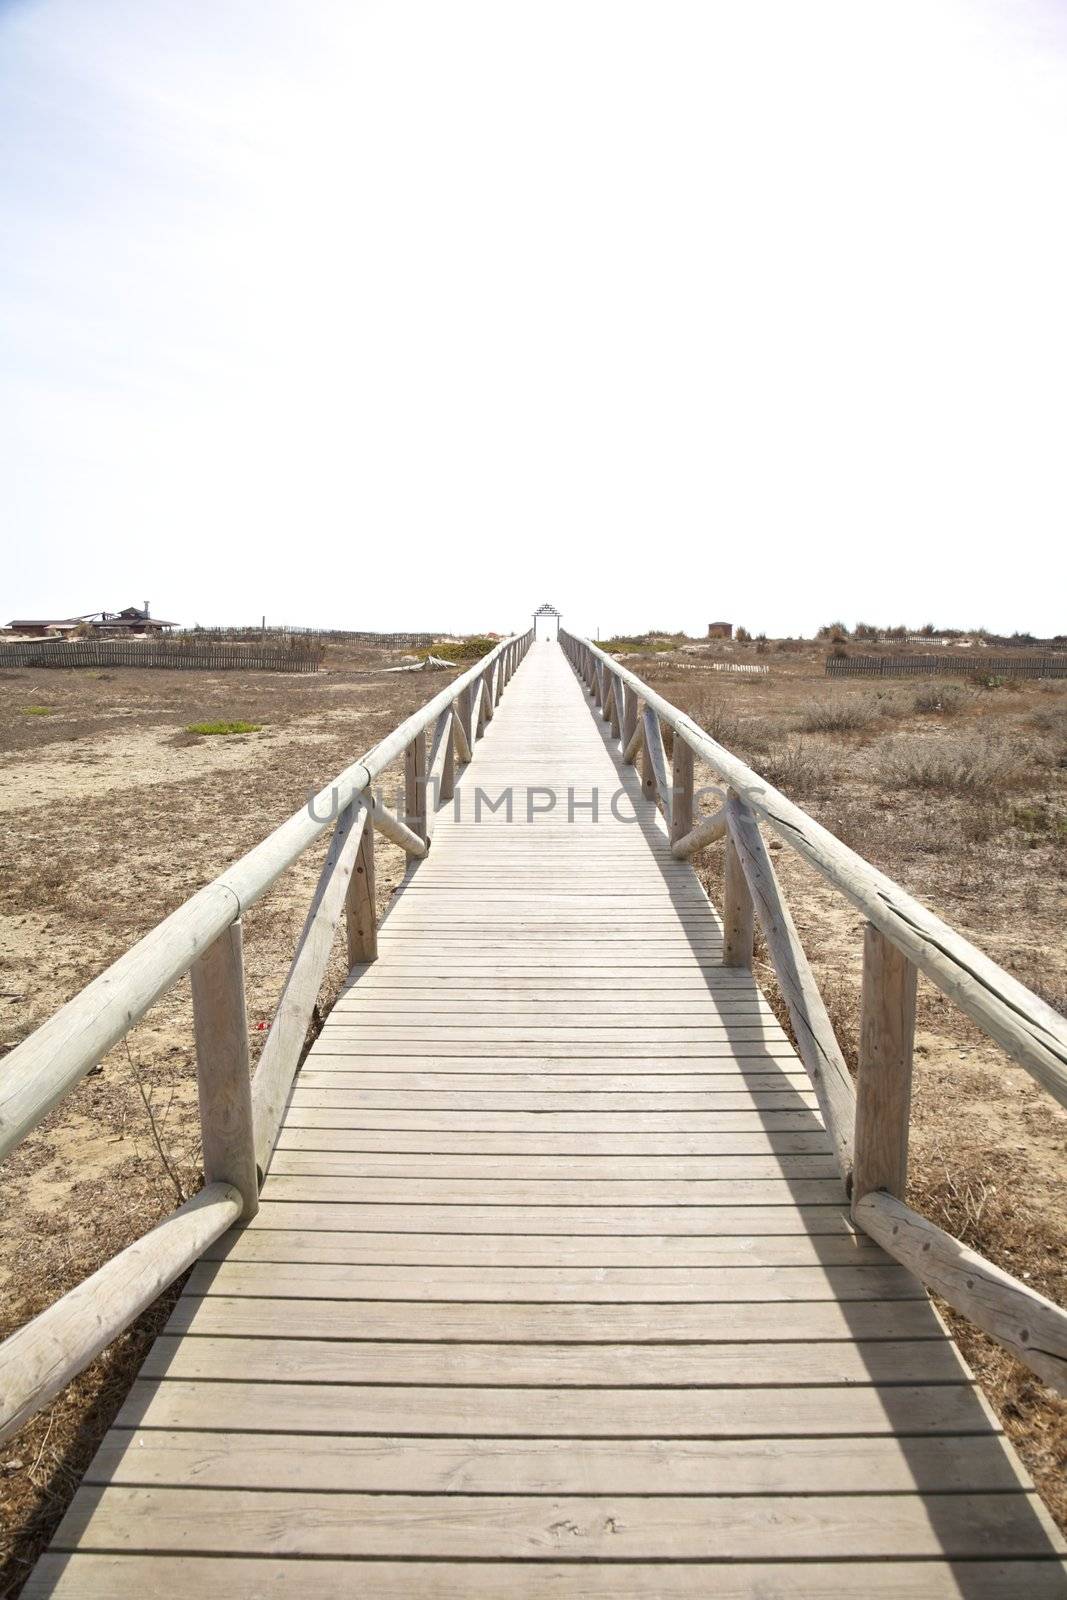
x: 469, y: 649
x: 797, y: 768
x: 940, y: 699
x: 974, y: 766
x: 206, y: 728
x: 841, y: 715
x: 37, y: 711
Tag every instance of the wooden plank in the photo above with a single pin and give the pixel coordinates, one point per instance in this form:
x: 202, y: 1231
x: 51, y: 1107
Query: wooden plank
x: 561, y: 1366
x: 801, y: 1528
x: 553, y: 1193
x: 219, y: 1316
x: 555, y: 1286
x: 591, y: 1147
x: 283, y: 1406
x: 556, y: 1121
x: 578, y: 1102
x: 107, y: 1576
x: 511, y: 1168
x: 587, y: 1466
x: 618, y: 1221
x: 274, y: 1240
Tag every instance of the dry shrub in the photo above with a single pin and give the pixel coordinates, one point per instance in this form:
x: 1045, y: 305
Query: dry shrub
x: 718, y: 720
x: 797, y: 769
x: 954, y: 765
x: 841, y: 715
x: 940, y: 699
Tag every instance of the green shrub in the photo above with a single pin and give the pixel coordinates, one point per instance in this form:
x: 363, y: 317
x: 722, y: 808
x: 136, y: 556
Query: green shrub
x: 37, y: 711
x: 223, y: 727
x: 470, y: 649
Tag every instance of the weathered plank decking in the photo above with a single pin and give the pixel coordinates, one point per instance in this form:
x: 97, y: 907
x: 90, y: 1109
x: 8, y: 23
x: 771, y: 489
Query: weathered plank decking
x: 553, y: 1288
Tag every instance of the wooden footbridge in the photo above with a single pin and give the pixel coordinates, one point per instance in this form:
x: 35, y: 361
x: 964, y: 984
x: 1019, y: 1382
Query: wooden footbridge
x: 555, y: 1269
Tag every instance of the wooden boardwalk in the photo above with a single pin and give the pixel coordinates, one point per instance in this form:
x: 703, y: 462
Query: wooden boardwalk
x: 553, y: 1289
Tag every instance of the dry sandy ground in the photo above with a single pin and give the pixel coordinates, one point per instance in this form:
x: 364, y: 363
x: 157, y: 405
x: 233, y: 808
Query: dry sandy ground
x: 110, y: 816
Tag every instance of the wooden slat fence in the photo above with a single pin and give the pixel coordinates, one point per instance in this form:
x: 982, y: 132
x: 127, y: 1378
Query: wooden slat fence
x: 1050, y: 666
x: 208, y: 656
x: 253, y: 631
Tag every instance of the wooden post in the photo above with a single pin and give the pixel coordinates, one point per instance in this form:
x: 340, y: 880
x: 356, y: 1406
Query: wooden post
x: 448, y: 769
x: 629, y: 725
x: 616, y: 716
x: 598, y: 684
x: 463, y: 711
x: 223, y: 1077
x: 415, y: 786
x: 738, y: 916
x: 883, y: 1082
x: 361, y: 916
x: 682, y: 788
x: 648, y: 771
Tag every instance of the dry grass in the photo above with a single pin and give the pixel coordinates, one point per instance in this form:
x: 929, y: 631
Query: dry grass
x: 978, y: 767
x: 842, y: 714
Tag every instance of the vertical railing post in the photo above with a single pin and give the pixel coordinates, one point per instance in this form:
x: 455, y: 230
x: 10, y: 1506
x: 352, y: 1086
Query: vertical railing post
x: 462, y: 705
x: 448, y: 766
x: 738, y: 912
x: 682, y: 788
x: 648, y: 771
x: 223, y: 1076
x: 883, y: 1081
x: 361, y: 912
x: 616, y: 690
x: 598, y: 684
x: 415, y: 786
x: 629, y: 722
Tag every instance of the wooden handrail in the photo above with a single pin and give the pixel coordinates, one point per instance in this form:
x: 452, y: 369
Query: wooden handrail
x: 240, y: 1117
x: 1028, y: 1029
x: 44, y: 1067
x: 1032, y: 1328
x: 42, y: 1357
x: 868, y: 1128
x: 816, y: 1042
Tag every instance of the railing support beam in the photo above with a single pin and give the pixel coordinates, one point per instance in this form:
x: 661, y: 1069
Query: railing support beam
x: 223, y: 1075
x: 883, y: 1085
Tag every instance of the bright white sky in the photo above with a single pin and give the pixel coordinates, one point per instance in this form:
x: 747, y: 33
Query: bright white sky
x: 380, y: 313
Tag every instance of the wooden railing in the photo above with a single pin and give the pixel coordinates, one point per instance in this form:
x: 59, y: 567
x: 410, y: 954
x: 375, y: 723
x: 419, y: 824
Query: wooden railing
x: 867, y: 1121
x: 240, y: 1115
